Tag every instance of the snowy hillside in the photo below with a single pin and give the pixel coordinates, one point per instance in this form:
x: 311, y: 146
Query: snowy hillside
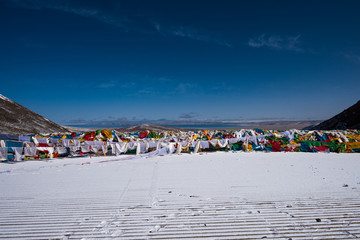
x: 16, y: 119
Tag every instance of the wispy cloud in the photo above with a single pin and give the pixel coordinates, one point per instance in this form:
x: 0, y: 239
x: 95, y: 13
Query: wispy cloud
x: 276, y: 42
x: 146, y: 91
x: 78, y: 120
x: 222, y: 86
x: 193, y: 34
x: 121, y: 21
x: 70, y: 7
x: 184, y: 87
x: 352, y: 57
x: 189, y: 115
x: 108, y: 84
x: 118, y: 84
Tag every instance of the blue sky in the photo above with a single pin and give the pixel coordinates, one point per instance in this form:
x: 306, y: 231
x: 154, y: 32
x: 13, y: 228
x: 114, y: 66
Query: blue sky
x: 79, y: 61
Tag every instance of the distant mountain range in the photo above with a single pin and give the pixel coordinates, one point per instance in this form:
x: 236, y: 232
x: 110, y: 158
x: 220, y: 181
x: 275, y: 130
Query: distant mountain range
x: 16, y: 119
x: 347, y: 119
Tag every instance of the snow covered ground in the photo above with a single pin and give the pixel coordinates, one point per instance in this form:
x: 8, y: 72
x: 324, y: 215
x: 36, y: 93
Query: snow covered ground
x: 216, y: 196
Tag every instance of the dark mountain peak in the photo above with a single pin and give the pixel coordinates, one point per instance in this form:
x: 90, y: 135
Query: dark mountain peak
x: 16, y: 119
x: 347, y: 119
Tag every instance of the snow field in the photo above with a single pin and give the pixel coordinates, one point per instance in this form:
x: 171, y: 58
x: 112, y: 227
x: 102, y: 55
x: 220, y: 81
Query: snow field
x: 215, y: 196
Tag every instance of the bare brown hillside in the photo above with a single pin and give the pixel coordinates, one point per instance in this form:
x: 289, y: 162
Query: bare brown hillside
x: 16, y: 119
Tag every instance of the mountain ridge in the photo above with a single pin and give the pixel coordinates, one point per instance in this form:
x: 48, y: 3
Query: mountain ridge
x: 347, y: 119
x: 17, y: 119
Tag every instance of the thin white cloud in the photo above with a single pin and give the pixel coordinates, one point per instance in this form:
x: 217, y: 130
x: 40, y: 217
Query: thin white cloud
x: 109, y: 84
x: 352, y: 57
x: 146, y: 91
x: 184, y: 87
x: 189, y: 115
x: 70, y: 7
x: 118, y: 84
x: 188, y: 33
x: 125, y: 23
x: 276, y: 42
x: 157, y: 27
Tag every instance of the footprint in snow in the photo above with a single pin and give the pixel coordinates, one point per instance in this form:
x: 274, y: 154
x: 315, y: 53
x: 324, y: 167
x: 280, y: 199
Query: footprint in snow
x: 102, y: 224
x: 193, y: 196
x: 116, y: 224
x: 105, y: 230
x: 67, y: 235
x: 117, y: 233
x: 198, y: 213
x: 155, y: 229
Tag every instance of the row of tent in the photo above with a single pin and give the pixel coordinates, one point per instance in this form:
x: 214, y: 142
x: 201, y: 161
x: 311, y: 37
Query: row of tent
x: 108, y: 142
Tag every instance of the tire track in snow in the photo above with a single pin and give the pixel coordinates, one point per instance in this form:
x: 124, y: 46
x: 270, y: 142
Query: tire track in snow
x: 197, y: 219
x: 103, y: 226
x: 125, y: 209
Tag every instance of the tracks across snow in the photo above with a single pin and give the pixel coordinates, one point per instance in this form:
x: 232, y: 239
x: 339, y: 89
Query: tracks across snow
x: 301, y: 219
x: 214, y: 196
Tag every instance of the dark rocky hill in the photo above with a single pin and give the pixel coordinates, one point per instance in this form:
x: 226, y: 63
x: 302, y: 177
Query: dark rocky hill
x: 347, y: 119
x: 16, y: 119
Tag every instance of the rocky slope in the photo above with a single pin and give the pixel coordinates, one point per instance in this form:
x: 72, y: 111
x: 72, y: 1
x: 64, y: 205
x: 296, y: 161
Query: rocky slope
x: 16, y: 119
x: 347, y: 119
